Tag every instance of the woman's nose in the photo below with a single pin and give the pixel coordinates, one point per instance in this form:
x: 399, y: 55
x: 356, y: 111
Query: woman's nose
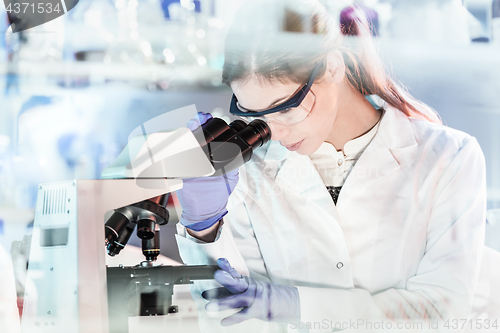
x: 278, y: 131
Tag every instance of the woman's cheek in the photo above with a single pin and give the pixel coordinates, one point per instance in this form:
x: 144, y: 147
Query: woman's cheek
x: 309, y: 146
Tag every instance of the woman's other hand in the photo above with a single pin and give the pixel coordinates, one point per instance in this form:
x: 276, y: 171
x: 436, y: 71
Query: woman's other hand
x: 261, y: 300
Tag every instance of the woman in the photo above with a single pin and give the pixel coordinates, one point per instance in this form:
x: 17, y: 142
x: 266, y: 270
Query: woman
x: 354, y: 217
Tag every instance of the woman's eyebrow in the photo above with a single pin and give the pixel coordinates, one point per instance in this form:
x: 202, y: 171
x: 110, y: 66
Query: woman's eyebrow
x: 285, y: 98
x: 278, y: 100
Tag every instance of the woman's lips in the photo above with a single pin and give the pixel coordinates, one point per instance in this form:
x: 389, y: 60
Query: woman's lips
x: 295, y: 146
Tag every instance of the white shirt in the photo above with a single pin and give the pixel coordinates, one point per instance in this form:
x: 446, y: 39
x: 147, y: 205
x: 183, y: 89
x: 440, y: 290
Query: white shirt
x: 334, y: 165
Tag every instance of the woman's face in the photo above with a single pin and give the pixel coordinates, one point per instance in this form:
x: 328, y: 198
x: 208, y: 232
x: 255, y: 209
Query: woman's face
x: 306, y: 136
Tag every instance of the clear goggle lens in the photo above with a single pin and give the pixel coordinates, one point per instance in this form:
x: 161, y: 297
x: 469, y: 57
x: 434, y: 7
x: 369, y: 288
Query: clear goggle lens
x: 288, y: 116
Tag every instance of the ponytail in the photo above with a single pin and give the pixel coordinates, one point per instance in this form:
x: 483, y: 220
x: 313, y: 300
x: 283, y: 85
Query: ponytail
x: 366, y: 72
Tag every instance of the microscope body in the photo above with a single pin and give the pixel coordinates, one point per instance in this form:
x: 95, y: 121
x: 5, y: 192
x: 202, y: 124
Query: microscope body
x: 66, y: 287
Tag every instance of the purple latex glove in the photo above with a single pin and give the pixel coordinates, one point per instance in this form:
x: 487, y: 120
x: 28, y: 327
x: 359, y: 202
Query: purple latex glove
x: 204, y: 199
x: 261, y: 300
x: 198, y: 120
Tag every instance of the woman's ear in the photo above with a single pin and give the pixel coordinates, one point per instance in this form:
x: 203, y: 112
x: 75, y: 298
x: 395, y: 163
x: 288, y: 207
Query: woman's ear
x: 335, y: 66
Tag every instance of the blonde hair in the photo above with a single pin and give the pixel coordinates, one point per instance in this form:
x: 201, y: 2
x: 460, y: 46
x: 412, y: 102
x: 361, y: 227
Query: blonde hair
x: 282, y: 40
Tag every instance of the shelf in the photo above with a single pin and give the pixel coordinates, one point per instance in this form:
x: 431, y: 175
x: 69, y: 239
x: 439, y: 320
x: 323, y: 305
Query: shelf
x: 97, y: 71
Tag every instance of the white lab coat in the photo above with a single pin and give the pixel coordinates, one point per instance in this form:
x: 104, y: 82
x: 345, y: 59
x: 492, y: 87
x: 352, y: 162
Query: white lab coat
x: 404, y: 241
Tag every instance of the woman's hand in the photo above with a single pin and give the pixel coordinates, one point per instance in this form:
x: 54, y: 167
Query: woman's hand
x: 204, y: 199
x: 261, y: 300
x: 198, y: 120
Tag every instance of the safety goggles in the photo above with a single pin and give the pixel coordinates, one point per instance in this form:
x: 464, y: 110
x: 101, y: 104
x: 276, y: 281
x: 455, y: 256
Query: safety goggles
x: 292, y: 111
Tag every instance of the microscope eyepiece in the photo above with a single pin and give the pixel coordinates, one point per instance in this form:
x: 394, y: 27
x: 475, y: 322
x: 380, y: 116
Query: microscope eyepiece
x: 230, y: 146
x: 256, y: 134
x: 237, y: 125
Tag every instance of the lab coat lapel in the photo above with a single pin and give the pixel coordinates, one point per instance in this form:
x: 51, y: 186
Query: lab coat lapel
x: 299, y: 175
x: 378, y: 161
x: 375, y: 163
x: 296, y: 173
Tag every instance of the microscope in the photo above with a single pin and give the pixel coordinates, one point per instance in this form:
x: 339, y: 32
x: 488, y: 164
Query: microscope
x: 71, y: 289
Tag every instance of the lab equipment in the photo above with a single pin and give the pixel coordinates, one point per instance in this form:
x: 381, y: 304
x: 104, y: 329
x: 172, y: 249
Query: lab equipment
x: 261, y: 300
x: 483, y: 11
x: 230, y: 146
x: 226, y: 147
x: 67, y: 279
x: 148, y: 215
x: 70, y: 288
x: 223, y: 145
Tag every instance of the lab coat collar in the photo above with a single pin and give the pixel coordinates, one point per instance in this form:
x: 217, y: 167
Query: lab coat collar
x: 395, y: 133
x: 395, y: 129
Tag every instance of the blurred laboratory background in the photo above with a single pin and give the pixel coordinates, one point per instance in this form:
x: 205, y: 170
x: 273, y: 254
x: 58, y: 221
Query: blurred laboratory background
x: 73, y: 89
